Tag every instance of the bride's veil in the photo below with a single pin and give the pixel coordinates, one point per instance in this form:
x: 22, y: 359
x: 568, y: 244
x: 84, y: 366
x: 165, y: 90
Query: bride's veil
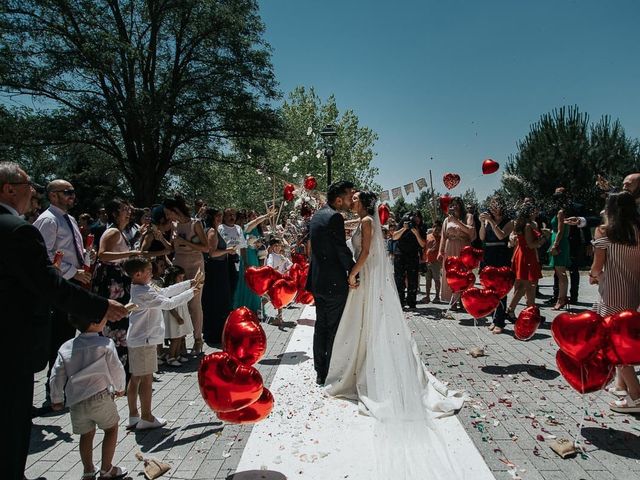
x: 407, y: 442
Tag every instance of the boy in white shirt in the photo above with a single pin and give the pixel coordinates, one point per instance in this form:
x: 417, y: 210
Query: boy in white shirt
x: 146, y: 332
x: 279, y: 263
x: 88, y: 371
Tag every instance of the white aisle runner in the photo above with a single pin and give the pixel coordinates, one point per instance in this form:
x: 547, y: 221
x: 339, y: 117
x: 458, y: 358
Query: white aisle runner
x: 312, y: 436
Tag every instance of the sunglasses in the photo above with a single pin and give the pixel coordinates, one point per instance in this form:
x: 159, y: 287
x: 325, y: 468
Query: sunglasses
x: 69, y: 192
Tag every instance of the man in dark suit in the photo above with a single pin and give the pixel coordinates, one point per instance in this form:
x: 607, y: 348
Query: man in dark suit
x: 331, y: 261
x: 29, y: 285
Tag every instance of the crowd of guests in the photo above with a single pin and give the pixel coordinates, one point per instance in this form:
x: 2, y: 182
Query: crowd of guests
x: 526, y: 239
x: 176, y: 271
x: 179, y: 271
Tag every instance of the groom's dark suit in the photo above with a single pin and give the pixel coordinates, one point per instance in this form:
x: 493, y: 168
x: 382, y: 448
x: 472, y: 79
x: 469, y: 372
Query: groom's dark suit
x: 29, y: 285
x: 331, y: 261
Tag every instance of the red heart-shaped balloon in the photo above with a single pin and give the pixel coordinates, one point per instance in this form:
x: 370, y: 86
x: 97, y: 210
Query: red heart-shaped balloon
x: 305, y: 297
x: 287, y: 192
x: 453, y: 263
x: 586, y: 377
x: 451, y: 180
x: 282, y: 292
x: 623, y: 329
x: 471, y: 257
x: 258, y: 410
x: 459, y: 279
x: 295, y: 272
x: 527, y: 323
x: 489, y: 166
x: 302, y: 278
x: 480, y: 302
x: 299, y: 258
x: 500, y: 279
x: 259, y: 279
x: 245, y: 340
x: 242, y: 314
x: 310, y: 182
x: 445, y: 200
x: 579, y: 335
x: 383, y: 213
x: 226, y: 384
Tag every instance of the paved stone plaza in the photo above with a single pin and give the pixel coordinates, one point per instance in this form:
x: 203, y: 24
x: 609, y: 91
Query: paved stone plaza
x: 519, y: 403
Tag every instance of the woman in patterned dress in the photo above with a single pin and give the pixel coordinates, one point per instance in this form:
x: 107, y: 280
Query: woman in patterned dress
x: 109, y: 279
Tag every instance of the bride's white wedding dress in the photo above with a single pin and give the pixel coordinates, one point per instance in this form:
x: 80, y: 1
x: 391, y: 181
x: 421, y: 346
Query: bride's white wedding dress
x: 375, y: 361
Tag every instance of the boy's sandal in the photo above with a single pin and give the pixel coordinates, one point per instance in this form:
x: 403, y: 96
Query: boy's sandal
x: 115, y: 472
x: 491, y: 327
x: 497, y: 330
x: 90, y: 475
x: 626, y: 405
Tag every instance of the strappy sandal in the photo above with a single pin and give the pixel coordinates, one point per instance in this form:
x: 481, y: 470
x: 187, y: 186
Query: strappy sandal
x: 497, y: 330
x: 491, y: 327
x: 626, y: 405
x: 89, y: 475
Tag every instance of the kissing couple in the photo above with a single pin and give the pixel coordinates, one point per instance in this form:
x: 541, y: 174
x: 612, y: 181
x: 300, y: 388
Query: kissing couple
x: 362, y: 347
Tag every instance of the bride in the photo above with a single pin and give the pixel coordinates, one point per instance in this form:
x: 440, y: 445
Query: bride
x: 376, y: 363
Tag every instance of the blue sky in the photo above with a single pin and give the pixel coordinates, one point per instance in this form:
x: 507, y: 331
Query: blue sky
x: 447, y: 84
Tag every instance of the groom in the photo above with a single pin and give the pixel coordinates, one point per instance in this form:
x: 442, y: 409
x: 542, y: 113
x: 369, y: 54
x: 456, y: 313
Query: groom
x: 331, y: 261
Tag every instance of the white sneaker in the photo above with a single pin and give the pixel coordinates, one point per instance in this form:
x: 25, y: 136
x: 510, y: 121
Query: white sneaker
x: 145, y: 425
x: 133, y: 421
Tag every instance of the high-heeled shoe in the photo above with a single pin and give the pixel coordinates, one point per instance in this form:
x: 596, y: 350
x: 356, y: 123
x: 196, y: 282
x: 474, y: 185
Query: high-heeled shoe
x: 561, y: 303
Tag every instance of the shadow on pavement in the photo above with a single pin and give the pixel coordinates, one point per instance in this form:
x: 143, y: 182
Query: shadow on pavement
x: 536, y: 371
x: 257, y: 475
x: 288, y: 358
x: 45, y: 436
x: 147, y: 439
x: 618, y: 442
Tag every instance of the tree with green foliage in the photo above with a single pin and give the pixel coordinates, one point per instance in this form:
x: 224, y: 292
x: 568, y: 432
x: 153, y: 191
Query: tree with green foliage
x: 298, y: 152
x: 152, y: 85
x: 563, y: 149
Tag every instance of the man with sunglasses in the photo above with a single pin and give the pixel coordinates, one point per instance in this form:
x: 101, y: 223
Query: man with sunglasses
x: 60, y: 232
x: 29, y: 284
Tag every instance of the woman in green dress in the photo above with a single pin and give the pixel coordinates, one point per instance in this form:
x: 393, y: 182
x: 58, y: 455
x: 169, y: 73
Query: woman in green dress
x: 244, y: 297
x: 559, y: 254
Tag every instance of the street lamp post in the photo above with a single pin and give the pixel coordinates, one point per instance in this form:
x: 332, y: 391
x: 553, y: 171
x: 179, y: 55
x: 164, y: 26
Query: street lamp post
x: 328, y: 135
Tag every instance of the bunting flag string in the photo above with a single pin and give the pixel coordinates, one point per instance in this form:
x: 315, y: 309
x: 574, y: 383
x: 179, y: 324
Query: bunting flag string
x: 421, y: 183
x: 384, y: 196
x: 408, y: 188
x: 396, y: 192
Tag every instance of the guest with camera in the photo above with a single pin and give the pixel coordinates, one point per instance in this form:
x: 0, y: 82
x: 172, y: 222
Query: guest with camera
x: 406, y: 261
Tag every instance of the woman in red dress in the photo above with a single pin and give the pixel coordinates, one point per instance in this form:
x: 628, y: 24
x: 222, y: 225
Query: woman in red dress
x: 525, y: 263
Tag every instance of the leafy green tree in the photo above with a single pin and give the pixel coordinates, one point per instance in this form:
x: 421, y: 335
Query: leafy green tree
x: 400, y: 207
x: 154, y: 85
x: 268, y: 164
x: 562, y: 149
